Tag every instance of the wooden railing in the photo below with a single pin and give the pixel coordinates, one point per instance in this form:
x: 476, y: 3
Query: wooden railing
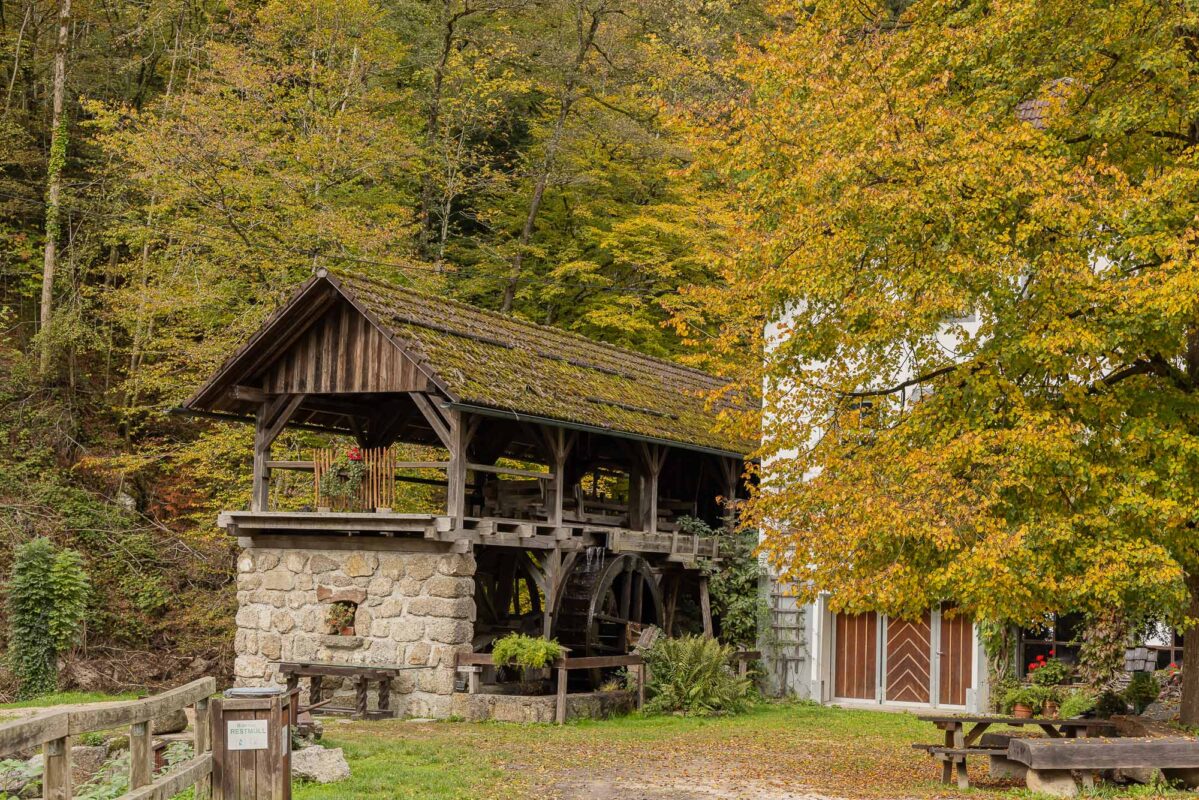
x: 52, y: 731
x: 562, y: 666
x: 378, y: 489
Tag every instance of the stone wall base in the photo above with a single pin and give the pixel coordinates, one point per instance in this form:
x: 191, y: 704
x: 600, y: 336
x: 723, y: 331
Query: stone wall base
x: 540, y: 708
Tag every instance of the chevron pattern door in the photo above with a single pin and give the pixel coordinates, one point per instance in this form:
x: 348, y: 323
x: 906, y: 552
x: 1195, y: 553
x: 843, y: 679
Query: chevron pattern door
x: 909, y: 660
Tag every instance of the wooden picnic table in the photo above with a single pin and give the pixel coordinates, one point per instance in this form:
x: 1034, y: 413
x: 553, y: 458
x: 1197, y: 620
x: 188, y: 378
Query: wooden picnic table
x: 361, y: 674
x: 961, y: 743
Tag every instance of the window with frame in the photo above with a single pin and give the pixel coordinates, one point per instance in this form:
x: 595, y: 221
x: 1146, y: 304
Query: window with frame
x: 1060, y: 637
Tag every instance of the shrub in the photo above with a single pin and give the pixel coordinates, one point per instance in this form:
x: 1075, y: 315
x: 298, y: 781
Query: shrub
x: 1110, y: 703
x: 1024, y: 695
x: 741, y: 610
x: 691, y: 675
x: 1142, y: 690
x: 526, y: 652
x: 1079, y: 702
x: 47, y: 596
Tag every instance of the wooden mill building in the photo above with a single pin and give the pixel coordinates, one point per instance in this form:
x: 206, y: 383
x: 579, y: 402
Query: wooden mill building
x: 549, y: 492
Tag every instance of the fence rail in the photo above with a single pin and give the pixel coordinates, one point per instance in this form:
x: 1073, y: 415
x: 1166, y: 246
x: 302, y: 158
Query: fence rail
x: 53, y: 730
x: 562, y: 666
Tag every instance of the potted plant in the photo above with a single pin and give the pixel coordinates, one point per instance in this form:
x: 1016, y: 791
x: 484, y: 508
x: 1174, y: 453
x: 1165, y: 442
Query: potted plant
x: 1023, y: 701
x: 525, y: 653
x: 343, y: 479
x: 340, y: 619
x: 1048, y: 671
x: 1052, y: 703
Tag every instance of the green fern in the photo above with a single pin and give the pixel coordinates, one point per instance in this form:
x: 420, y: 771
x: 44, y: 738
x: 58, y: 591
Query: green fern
x: 691, y: 676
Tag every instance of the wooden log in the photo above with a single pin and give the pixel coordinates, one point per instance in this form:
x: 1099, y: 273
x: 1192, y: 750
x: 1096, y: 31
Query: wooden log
x: 1068, y: 754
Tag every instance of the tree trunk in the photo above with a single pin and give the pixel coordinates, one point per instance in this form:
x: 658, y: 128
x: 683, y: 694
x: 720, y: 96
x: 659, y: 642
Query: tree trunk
x: 568, y: 98
x: 1189, y: 711
x: 54, y: 169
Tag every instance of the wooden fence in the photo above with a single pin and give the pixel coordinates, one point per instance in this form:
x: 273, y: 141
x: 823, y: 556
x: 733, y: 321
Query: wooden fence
x: 53, y: 731
x: 635, y: 663
x: 378, y: 489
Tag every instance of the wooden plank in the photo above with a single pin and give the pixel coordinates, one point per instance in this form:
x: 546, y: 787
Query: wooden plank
x: 1162, y: 753
x: 202, y: 745
x: 528, y: 473
x: 141, y: 756
x: 134, y: 711
x: 195, y: 771
x: 56, y: 777
x: 31, y: 732
x: 855, y: 656
x: 303, y: 466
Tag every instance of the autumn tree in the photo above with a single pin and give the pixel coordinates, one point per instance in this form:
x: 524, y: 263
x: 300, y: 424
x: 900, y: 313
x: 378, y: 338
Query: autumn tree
x: 968, y: 254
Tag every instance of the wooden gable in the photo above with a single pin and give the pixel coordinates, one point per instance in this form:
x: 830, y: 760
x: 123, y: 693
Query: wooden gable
x: 342, y: 353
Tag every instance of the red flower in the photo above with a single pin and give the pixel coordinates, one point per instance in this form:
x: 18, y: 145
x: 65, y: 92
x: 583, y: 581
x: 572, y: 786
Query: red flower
x: 1041, y: 659
x: 354, y: 454
x: 1173, y: 665
x: 1053, y: 652
x: 1032, y: 667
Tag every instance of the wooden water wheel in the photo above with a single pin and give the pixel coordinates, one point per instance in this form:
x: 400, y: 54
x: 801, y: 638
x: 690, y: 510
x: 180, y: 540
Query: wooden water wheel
x: 605, y: 601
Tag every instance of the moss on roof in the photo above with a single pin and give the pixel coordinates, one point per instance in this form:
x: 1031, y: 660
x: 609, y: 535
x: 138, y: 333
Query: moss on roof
x: 488, y: 359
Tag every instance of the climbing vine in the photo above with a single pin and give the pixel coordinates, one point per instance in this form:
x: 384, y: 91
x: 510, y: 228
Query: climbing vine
x: 47, y: 596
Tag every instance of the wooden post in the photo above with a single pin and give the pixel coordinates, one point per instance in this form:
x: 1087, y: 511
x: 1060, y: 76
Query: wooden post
x: 553, y: 575
x: 558, y: 445
x: 56, y: 775
x: 560, y: 716
x: 141, y: 755
x: 272, y: 415
x: 641, y: 685
x: 705, y: 605
x: 202, y: 743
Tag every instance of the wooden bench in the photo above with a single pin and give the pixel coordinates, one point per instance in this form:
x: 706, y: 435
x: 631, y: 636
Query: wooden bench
x: 362, y: 675
x: 1051, y: 763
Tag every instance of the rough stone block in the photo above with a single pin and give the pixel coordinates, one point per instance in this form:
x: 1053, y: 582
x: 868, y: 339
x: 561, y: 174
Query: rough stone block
x: 421, y: 567
x: 408, y: 629
x: 282, y: 621
x: 304, y: 581
x: 446, y: 586
x: 460, y: 565
x: 304, y: 647
x: 295, y: 561
x: 392, y: 566
x: 1053, y: 782
x: 360, y: 565
x: 245, y: 562
x: 418, y: 654
x: 409, y: 586
x: 449, y: 631
x: 380, y: 587
x: 249, y: 666
x: 249, y: 581
x: 382, y: 651
x: 320, y: 562
x: 329, y: 594
x: 380, y: 628
x: 389, y: 608
x: 271, y: 646
x: 265, y: 560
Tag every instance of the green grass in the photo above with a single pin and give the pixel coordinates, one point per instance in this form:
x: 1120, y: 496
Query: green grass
x: 797, y: 747
x: 68, y: 698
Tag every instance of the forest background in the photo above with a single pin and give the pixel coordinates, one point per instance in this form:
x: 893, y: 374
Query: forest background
x: 171, y: 169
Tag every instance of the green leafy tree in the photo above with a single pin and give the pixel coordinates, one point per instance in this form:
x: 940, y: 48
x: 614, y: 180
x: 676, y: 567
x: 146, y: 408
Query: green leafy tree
x: 47, y: 601
x: 1028, y: 164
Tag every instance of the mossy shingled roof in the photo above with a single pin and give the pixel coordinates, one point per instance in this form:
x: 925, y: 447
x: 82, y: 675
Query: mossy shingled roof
x: 483, y: 358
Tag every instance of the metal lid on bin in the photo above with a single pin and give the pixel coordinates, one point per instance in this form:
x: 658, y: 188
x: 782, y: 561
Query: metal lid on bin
x: 255, y: 691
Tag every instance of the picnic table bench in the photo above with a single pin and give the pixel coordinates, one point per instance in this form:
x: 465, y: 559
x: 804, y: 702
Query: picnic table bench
x: 361, y: 674
x: 961, y: 743
x: 1051, y: 764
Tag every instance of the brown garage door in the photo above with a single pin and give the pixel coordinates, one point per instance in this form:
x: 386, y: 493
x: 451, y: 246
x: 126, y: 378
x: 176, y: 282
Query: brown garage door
x: 909, y: 660
x: 957, y: 659
x: 855, y: 656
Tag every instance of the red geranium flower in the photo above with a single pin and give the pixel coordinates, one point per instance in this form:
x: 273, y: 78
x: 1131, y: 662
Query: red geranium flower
x: 1173, y: 665
x: 1041, y: 658
x: 354, y: 454
x: 1053, y: 652
x: 1033, y: 666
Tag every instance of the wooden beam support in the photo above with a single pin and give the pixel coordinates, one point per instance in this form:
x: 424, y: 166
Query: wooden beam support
x: 553, y: 579
x: 269, y: 422
x: 439, y: 423
x: 705, y: 606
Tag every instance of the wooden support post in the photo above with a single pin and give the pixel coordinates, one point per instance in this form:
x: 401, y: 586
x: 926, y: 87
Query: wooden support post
x: 560, y: 716
x: 202, y: 743
x: 360, y: 684
x: 640, y: 685
x: 385, y: 697
x: 141, y: 755
x: 558, y: 447
x: 553, y: 576
x: 705, y: 605
x: 269, y: 420
x: 56, y: 775
x: 314, y: 689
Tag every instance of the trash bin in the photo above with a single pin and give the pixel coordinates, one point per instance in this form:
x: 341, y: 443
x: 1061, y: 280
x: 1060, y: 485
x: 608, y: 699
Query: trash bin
x: 251, y: 744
